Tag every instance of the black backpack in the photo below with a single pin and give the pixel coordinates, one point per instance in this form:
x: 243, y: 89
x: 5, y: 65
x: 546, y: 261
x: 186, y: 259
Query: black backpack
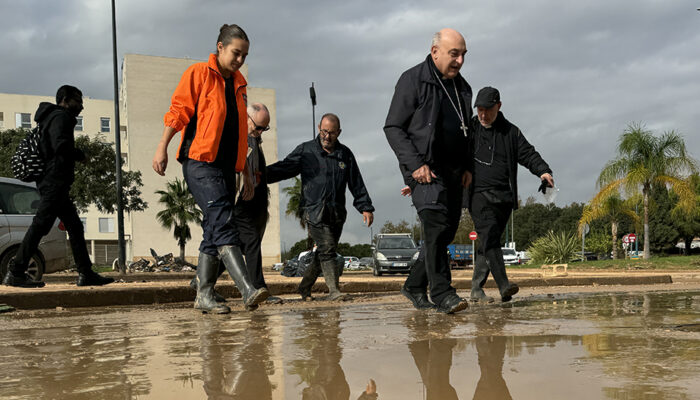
x: 28, y: 163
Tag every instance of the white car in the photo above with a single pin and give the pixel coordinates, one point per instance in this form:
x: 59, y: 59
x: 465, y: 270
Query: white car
x: 510, y: 256
x: 18, y: 203
x: 349, y: 260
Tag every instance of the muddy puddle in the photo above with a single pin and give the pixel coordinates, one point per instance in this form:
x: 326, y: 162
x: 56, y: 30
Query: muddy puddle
x: 621, y: 346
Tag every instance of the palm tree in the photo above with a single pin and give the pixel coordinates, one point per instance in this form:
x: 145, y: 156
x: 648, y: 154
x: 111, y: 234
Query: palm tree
x: 293, y: 205
x: 614, y: 208
x: 645, y: 160
x: 180, y: 210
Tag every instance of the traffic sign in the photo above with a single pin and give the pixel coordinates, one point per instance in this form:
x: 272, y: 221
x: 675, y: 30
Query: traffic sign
x: 632, y: 237
x: 472, y: 235
x: 626, y: 239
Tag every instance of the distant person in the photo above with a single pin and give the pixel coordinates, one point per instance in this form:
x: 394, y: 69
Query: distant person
x: 427, y: 127
x: 57, y: 146
x: 209, y: 107
x: 327, y: 168
x: 499, y: 146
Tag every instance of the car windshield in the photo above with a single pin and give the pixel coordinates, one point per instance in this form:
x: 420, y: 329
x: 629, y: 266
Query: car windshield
x: 396, y: 243
x: 508, y: 252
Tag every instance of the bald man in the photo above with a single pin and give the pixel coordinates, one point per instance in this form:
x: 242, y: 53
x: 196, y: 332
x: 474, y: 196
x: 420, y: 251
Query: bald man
x: 427, y: 128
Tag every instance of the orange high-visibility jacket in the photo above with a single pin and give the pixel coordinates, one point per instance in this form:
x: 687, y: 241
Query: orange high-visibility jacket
x: 202, y: 90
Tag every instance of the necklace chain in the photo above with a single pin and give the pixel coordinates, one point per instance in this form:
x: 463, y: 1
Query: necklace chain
x: 458, y: 107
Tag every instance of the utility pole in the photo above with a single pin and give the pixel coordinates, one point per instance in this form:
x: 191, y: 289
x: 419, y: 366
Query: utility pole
x: 312, y: 93
x: 118, y: 149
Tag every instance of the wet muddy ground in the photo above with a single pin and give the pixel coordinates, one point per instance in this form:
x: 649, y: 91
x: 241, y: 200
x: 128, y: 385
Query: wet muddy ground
x: 639, y: 344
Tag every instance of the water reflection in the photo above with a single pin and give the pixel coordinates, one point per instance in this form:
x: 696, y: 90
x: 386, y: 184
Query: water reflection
x: 239, y: 369
x: 491, y: 349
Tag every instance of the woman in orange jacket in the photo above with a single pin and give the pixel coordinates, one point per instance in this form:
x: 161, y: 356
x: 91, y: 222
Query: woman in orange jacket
x: 209, y: 108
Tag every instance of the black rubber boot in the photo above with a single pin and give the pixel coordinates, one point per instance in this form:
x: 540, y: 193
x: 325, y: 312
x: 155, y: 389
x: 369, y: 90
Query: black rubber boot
x: 308, y: 280
x: 232, y: 258
x: 330, y: 274
x: 207, y: 273
x: 219, y: 298
x: 494, y: 258
x: 481, y: 273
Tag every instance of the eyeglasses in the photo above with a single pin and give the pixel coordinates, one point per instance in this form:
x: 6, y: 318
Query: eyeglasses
x: 258, y: 127
x: 326, y: 132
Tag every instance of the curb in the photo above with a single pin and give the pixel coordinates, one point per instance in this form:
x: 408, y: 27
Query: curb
x: 124, y: 294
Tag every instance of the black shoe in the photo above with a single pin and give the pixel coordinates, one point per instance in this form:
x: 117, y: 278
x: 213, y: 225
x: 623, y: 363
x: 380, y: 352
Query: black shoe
x: 507, y: 294
x: 92, y: 278
x: 452, y: 303
x: 274, y: 300
x: 479, y: 296
x: 419, y: 299
x: 23, y: 281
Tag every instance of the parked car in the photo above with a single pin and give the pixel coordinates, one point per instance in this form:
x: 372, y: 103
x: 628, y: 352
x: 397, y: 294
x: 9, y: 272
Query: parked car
x: 18, y: 204
x: 510, y: 256
x: 587, y: 256
x: 366, y: 262
x: 394, y: 253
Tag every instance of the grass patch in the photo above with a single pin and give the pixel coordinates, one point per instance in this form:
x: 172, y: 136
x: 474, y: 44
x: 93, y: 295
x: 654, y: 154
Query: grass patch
x: 658, y: 263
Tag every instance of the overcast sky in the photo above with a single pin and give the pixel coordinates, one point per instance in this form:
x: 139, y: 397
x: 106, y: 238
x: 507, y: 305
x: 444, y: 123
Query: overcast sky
x: 572, y: 75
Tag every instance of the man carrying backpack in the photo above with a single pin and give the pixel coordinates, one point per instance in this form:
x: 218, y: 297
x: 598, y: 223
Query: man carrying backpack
x: 57, y: 145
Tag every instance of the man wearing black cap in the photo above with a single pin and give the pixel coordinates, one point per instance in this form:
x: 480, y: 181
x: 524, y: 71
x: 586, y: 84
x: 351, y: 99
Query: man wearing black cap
x: 499, y: 147
x: 427, y: 128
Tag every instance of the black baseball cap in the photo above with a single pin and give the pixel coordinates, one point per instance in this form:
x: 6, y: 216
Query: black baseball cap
x: 487, y: 97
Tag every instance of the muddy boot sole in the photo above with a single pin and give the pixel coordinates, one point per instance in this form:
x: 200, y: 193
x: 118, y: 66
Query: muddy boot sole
x: 256, y: 298
x: 219, y: 309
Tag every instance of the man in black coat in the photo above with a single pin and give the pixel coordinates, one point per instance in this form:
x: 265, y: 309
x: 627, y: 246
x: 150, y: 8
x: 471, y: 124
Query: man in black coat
x: 427, y: 127
x: 57, y: 146
x: 327, y: 168
x: 499, y: 147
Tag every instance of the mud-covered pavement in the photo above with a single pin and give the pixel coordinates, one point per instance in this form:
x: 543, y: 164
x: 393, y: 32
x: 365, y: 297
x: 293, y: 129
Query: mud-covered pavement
x: 639, y: 343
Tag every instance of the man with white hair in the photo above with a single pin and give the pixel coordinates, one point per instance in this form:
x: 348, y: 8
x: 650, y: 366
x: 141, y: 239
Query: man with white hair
x: 427, y: 128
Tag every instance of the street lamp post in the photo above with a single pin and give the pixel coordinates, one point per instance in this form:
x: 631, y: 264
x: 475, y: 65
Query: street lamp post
x: 118, y: 149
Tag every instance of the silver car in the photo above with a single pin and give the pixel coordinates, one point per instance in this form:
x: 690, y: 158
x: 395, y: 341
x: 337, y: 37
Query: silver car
x: 18, y: 204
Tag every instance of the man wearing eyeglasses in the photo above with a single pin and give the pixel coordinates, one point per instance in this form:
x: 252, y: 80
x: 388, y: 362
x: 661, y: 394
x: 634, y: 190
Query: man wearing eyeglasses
x: 327, y: 169
x: 427, y: 127
x: 251, y: 215
x: 499, y: 147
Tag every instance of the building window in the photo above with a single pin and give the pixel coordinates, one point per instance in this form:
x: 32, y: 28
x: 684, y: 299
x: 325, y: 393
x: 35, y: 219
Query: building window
x: 24, y: 120
x: 106, y: 225
x: 84, y: 221
x: 79, y: 124
x: 104, y: 124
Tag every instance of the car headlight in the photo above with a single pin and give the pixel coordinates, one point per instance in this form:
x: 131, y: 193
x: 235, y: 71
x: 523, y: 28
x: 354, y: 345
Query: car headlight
x: 381, y: 257
x: 415, y: 255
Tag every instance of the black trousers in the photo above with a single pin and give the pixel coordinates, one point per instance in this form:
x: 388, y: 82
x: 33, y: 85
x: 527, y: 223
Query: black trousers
x: 326, y: 237
x: 432, y: 269
x: 490, y: 221
x: 53, y: 203
x: 251, y: 222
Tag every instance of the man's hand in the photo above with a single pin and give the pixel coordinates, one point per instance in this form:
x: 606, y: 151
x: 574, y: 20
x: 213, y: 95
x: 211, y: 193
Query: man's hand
x: 466, y: 179
x: 423, y: 174
x: 406, y: 191
x: 160, y: 160
x: 367, y: 218
x: 548, y: 177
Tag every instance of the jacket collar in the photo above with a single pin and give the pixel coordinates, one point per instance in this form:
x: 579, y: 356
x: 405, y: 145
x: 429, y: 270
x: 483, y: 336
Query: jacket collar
x: 338, y: 152
x: 238, y: 79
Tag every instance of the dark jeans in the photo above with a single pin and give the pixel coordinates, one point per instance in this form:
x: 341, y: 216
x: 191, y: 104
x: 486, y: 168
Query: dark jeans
x: 490, y: 221
x: 326, y: 237
x: 214, y: 190
x: 54, y: 203
x: 251, y: 223
x: 439, y: 227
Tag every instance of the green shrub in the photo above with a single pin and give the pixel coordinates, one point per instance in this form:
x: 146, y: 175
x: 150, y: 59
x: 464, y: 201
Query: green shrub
x: 554, y: 248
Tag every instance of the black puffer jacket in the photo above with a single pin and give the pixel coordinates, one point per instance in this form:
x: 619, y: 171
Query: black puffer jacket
x: 412, y: 119
x: 324, y: 178
x: 518, y: 151
x: 57, y: 146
